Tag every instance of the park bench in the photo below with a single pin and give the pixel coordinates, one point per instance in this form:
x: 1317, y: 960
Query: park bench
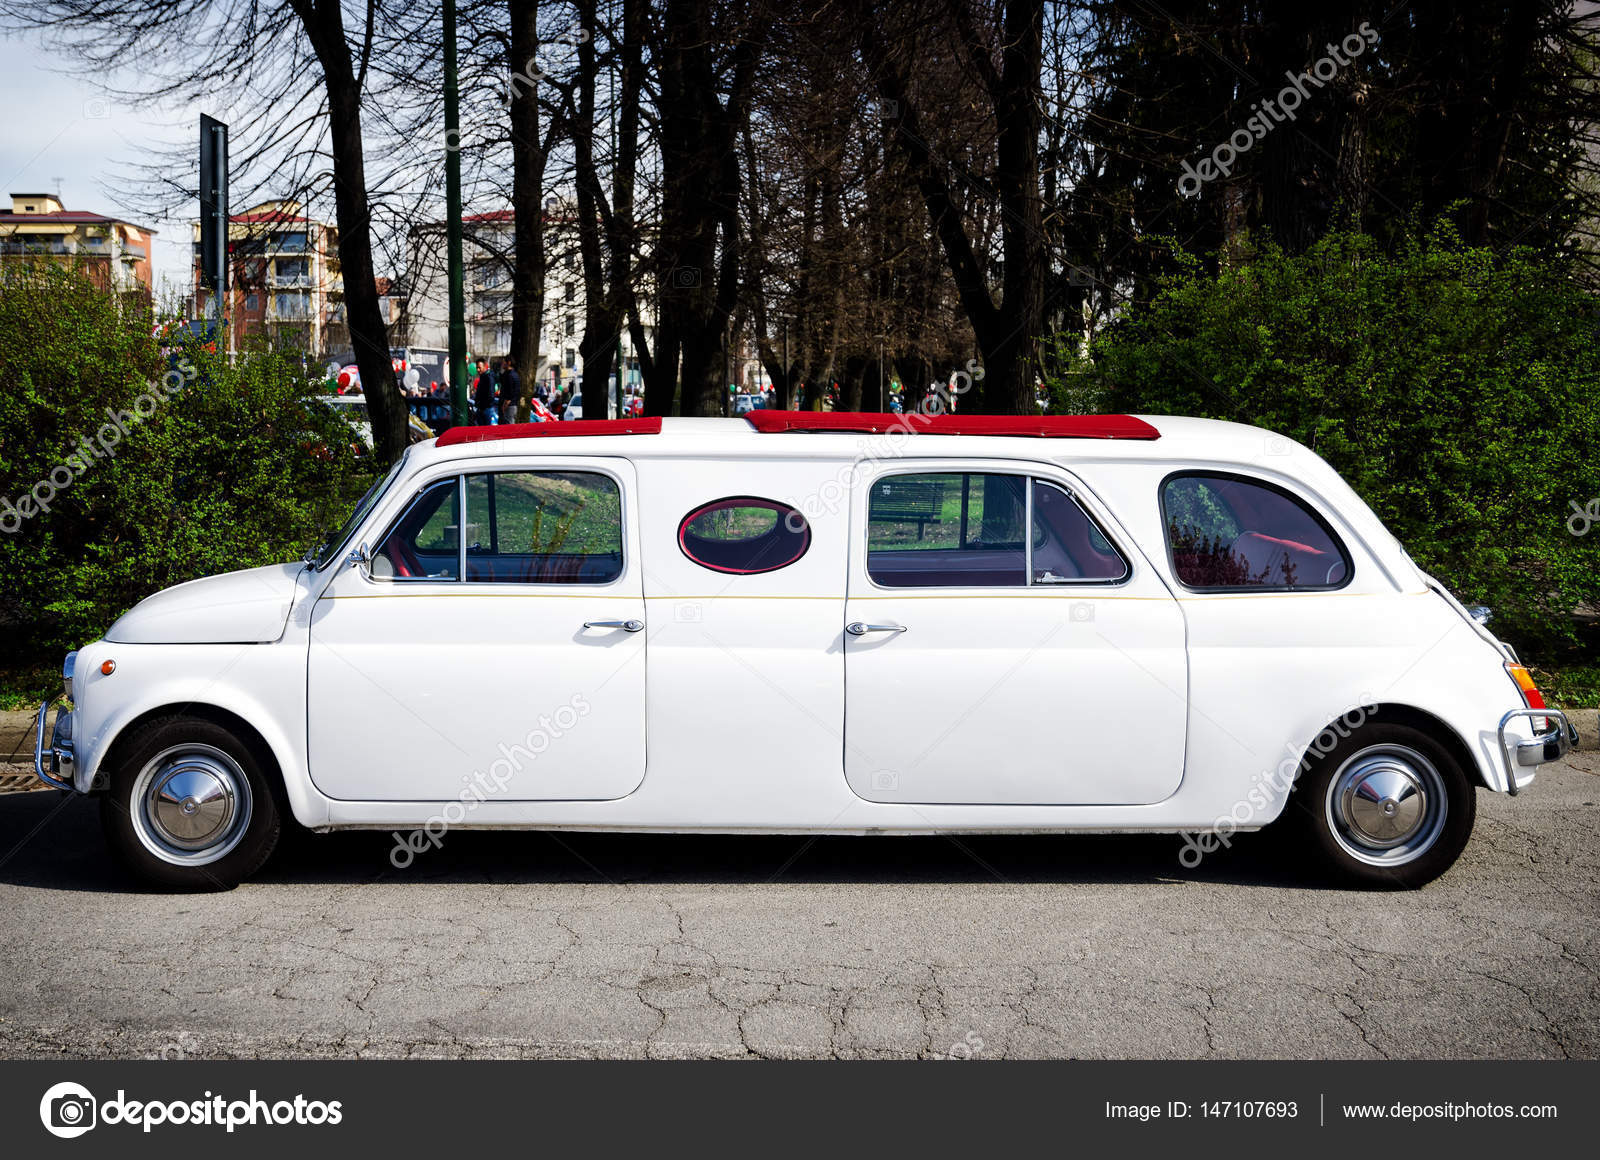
x: 905, y: 500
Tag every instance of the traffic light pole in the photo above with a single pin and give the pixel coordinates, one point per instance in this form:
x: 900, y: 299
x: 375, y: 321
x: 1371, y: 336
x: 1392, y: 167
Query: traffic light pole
x: 452, y: 194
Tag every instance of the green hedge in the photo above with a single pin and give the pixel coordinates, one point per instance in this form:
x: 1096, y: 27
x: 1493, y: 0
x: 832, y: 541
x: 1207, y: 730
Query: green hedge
x: 156, y: 464
x: 1458, y: 391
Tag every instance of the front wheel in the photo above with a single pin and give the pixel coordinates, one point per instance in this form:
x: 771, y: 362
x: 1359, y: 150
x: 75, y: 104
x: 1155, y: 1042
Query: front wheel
x: 189, y: 806
x: 1387, y: 806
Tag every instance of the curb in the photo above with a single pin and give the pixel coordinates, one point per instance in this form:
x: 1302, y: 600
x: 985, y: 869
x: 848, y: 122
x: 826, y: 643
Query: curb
x: 1587, y: 723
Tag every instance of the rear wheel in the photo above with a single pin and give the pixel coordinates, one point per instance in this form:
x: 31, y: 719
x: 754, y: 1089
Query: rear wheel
x: 189, y: 806
x: 1387, y: 806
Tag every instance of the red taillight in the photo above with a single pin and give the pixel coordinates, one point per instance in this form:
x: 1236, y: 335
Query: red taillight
x: 1530, y: 692
x: 1531, y: 697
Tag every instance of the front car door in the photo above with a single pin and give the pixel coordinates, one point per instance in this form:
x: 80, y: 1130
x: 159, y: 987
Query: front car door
x: 985, y: 666
x: 501, y: 654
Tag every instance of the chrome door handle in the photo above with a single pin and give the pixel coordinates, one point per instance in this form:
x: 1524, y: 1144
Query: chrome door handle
x: 858, y: 628
x: 625, y: 625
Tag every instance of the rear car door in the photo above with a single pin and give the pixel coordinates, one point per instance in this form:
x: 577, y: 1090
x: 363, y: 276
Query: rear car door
x: 988, y: 666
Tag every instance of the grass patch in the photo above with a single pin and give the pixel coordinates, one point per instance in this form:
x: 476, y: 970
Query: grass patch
x: 23, y: 686
x: 1570, y: 686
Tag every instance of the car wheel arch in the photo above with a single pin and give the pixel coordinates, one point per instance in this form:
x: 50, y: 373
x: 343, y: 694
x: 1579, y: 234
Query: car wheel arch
x: 240, y: 727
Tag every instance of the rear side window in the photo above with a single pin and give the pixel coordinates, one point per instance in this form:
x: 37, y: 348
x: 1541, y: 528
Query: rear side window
x: 1227, y: 532
x: 744, y: 535
x: 965, y: 529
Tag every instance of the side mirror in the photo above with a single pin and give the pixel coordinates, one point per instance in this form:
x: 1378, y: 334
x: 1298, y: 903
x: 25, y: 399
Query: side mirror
x: 361, y: 557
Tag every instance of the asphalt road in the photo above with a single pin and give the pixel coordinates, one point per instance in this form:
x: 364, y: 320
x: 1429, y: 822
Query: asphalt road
x: 535, y: 945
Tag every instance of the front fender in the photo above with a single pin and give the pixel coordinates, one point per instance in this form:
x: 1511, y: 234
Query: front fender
x: 262, y: 684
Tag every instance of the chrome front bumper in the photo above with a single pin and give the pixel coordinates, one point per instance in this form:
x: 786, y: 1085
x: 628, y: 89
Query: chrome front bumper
x: 1544, y: 747
x: 54, y: 764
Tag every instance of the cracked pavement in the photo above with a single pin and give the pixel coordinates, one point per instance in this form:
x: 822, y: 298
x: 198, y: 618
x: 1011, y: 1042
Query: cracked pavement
x: 502, y: 945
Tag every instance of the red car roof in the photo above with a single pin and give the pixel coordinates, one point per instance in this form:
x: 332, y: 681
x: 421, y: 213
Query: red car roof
x: 639, y: 426
x: 1037, y: 426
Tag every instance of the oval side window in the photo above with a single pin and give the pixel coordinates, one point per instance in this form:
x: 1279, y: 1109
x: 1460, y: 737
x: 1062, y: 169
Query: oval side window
x: 744, y: 535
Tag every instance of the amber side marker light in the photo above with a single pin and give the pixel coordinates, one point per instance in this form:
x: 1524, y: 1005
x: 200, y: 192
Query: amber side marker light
x: 108, y: 667
x: 1531, y: 697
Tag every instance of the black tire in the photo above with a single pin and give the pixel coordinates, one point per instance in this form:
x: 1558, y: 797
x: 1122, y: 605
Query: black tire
x: 1387, y: 806
x: 217, y: 821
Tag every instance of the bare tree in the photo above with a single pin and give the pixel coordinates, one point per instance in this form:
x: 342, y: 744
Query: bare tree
x: 1000, y: 44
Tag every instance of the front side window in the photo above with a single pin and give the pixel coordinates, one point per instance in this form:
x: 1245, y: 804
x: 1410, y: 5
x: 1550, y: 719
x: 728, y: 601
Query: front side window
x: 965, y: 529
x: 544, y: 527
x: 1227, y: 532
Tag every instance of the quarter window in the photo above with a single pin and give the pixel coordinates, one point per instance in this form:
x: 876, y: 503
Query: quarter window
x: 965, y: 529
x: 744, y: 535
x: 1226, y: 532
x: 424, y: 544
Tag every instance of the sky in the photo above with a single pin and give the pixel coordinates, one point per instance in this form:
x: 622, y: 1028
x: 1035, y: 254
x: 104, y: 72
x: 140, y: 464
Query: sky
x: 62, y: 129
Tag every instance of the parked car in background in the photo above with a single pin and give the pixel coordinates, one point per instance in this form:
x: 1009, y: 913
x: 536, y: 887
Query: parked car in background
x: 989, y: 624
x: 744, y: 404
x: 354, y: 410
x: 573, y: 409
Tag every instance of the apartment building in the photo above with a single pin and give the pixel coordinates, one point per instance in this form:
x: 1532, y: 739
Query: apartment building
x: 487, y: 252
x: 114, y: 252
x: 284, y: 279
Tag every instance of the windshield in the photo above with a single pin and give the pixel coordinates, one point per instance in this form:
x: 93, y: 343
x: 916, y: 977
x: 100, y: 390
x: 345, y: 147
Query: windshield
x: 324, y: 553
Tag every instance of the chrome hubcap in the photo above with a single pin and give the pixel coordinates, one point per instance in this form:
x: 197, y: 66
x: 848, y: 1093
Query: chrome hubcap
x: 1386, y: 805
x: 191, y: 805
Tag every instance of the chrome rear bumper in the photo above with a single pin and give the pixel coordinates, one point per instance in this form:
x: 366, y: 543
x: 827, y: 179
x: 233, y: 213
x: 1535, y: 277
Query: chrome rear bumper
x: 1544, y: 747
x: 54, y: 764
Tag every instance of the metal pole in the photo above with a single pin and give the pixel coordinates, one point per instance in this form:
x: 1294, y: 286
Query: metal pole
x: 452, y: 196
x: 783, y: 396
x: 882, y: 406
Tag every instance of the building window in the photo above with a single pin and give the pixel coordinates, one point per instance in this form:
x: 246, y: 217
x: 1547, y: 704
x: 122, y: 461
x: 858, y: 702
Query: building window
x: 572, y: 359
x: 252, y: 302
x: 572, y: 327
x: 292, y: 306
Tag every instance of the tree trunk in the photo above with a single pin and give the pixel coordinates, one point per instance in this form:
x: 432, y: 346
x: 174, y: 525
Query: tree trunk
x: 698, y: 270
x: 386, y: 409
x: 527, y: 200
x: 1007, y: 334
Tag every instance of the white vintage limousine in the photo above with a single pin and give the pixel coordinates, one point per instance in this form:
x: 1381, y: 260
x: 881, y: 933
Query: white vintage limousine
x: 812, y: 623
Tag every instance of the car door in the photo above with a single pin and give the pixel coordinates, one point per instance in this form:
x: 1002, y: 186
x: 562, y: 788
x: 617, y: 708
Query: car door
x: 507, y: 661
x: 985, y: 666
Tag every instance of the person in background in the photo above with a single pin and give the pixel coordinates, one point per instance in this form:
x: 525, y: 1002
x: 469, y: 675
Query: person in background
x: 483, y: 394
x: 510, y: 389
